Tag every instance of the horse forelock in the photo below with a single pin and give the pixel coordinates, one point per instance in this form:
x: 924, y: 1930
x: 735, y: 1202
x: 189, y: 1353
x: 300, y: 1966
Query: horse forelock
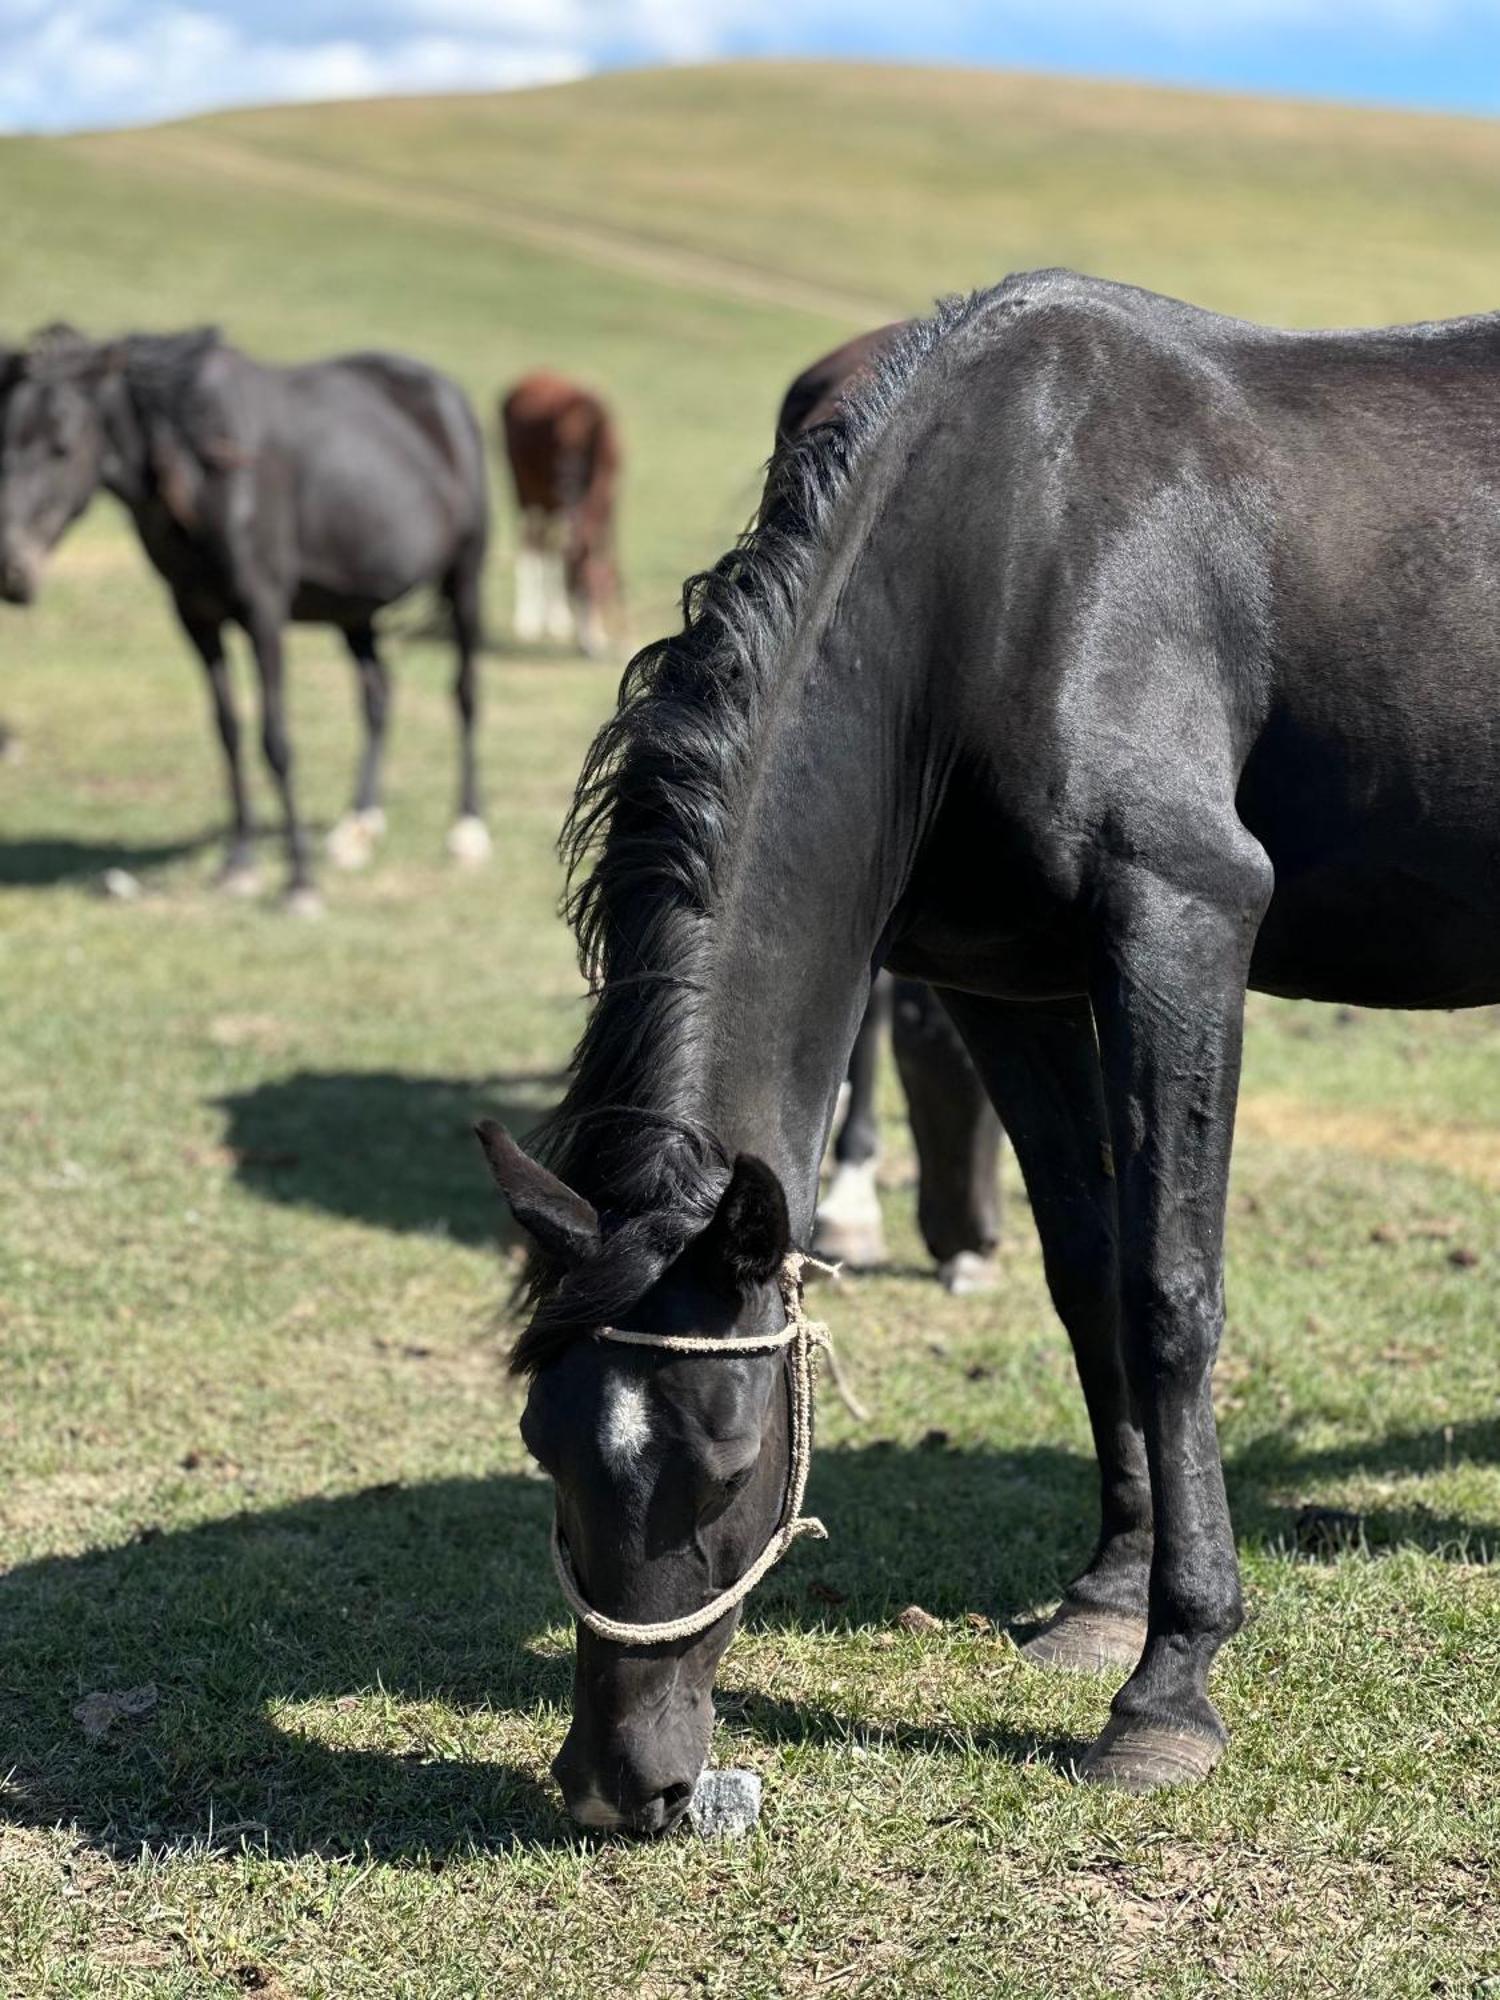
x: 646, y: 841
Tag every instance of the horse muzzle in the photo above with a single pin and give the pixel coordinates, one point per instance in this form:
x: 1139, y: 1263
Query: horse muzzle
x: 20, y: 574
x: 625, y: 1792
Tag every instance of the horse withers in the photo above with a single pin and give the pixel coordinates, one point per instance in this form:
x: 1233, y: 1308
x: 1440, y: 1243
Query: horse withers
x: 954, y: 1128
x: 319, y: 493
x: 1104, y: 658
x: 563, y: 450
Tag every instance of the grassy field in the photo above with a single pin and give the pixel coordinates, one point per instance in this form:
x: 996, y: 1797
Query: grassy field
x: 257, y: 1449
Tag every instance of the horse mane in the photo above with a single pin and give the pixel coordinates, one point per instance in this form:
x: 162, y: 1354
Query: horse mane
x: 645, y: 844
x: 161, y: 372
x: 162, y: 368
x: 56, y: 352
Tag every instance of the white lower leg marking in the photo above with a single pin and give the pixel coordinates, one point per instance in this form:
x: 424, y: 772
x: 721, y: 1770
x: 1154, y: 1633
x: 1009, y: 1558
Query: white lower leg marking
x: 560, y: 624
x: 627, y: 1426
x: 530, y: 591
x: 851, y: 1195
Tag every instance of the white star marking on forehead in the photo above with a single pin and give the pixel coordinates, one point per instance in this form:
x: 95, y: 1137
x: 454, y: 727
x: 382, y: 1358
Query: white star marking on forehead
x: 627, y: 1426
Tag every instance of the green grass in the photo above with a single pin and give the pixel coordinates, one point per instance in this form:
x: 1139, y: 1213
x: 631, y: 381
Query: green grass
x: 256, y: 1440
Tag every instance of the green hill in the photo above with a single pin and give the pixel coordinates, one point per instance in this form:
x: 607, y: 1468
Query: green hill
x: 687, y: 237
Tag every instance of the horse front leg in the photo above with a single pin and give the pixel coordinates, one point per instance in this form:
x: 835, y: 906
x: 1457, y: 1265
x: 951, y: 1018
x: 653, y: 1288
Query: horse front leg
x: 265, y: 639
x: 1168, y: 996
x: 468, y: 837
x: 238, y: 873
x: 351, y: 843
x: 1040, y: 1065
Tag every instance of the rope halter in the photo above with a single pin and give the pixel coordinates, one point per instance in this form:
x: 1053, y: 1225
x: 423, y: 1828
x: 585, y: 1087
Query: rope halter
x: 802, y: 1339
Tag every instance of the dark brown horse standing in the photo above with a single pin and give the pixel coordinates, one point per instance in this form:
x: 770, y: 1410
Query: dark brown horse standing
x: 564, y: 456
x: 320, y: 493
x: 954, y: 1128
x: 1104, y: 658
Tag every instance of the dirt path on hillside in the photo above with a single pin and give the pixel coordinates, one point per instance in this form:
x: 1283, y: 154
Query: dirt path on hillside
x: 192, y: 156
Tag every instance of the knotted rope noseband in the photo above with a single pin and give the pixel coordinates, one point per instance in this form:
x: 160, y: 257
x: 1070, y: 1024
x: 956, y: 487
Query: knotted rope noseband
x: 802, y: 1339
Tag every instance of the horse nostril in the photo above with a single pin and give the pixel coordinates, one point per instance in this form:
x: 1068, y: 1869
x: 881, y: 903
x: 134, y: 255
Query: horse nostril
x: 674, y: 1802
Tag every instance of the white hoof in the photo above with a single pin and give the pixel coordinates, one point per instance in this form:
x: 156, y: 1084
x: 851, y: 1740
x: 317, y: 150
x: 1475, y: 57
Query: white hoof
x: 352, y: 842
x: 848, y: 1228
x: 242, y: 882
x: 304, y: 902
x: 968, y: 1274
x: 469, y: 839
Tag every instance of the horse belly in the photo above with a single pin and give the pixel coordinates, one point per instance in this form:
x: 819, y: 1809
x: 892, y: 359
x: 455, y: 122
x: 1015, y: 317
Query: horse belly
x: 1383, y: 934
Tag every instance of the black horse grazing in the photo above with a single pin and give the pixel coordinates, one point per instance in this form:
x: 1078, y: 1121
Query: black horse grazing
x: 954, y: 1128
x: 1106, y: 658
x: 319, y: 493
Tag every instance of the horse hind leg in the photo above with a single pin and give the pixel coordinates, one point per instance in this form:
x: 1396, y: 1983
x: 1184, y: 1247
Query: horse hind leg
x: 849, y: 1229
x: 957, y: 1137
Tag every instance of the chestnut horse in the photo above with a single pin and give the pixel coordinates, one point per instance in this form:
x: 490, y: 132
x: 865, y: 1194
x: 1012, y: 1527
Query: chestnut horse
x: 564, y: 456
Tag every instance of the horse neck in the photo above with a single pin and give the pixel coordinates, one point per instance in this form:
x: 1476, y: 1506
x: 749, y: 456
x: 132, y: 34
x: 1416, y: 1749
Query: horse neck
x: 124, y: 461
x: 830, y: 824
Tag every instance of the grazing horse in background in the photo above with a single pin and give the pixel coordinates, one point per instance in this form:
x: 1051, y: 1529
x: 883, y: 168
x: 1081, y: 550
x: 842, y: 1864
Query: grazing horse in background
x: 319, y: 493
x: 564, y: 456
x: 1104, y: 657
x: 954, y: 1127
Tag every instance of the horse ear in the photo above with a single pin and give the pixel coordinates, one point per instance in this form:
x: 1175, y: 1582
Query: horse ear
x: 562, y: 1223
x: 751, y: 1231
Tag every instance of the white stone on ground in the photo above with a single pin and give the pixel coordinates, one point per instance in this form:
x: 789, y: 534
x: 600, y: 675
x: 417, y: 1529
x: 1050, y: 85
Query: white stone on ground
x: 469, y: 839
x: 726, y: 1804
x: 120, y: 885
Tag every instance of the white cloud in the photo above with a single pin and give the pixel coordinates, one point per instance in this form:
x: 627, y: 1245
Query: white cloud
x: 78, y: 62
x: 95, y: 62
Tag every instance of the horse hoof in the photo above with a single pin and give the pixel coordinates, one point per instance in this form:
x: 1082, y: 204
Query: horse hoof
x: 352, y: 842
x: 859, y: 1246
x: 968, y: 1274
x: 238, y: 879
x: 1132, y: 1755
x: 469, y: 839
x: 1075, y: 1641
x: 304, y: 902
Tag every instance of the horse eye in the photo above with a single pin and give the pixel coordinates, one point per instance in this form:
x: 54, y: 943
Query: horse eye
x: 715, y: 1494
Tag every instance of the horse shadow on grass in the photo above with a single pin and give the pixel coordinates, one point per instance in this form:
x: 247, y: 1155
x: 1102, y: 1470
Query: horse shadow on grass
x: 47, y: 860
x: 417, y: 1620
x: 384, y: 1147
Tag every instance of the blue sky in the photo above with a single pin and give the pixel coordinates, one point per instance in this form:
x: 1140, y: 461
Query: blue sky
x: 66, y: 63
